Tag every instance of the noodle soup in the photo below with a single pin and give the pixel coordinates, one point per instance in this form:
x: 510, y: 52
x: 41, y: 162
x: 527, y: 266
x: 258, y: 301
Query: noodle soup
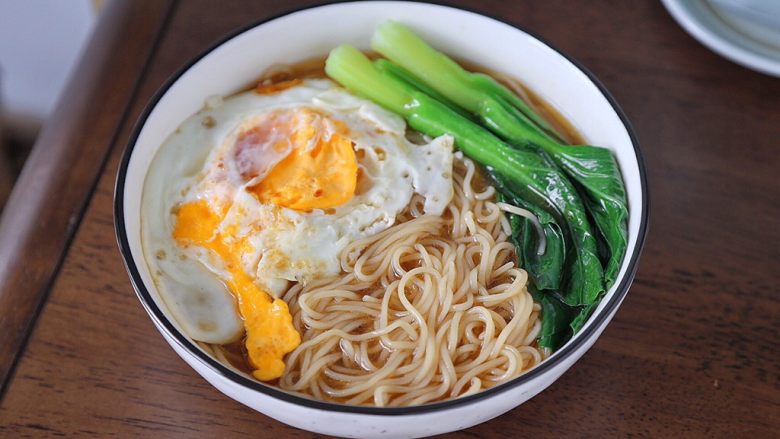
x: 358, y: 309
x: 314, y: 240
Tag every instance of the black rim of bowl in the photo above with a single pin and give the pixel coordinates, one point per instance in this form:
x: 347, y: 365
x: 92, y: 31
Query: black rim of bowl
x: 560, y: 356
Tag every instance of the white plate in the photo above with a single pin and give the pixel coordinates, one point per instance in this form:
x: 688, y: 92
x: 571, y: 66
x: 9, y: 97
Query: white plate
x: 744, y: 31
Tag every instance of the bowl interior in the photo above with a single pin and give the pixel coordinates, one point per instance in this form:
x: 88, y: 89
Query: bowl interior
x: 239, y: 61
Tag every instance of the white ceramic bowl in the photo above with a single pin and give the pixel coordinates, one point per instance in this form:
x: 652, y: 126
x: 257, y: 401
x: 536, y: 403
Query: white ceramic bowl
x: 237, y: 61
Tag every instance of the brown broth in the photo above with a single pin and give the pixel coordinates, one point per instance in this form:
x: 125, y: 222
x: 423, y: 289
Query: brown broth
x: 306, y: 69
x: 237, y: 355
x: 549, y: 113
x: 315, y: 68
x: 537, y: 103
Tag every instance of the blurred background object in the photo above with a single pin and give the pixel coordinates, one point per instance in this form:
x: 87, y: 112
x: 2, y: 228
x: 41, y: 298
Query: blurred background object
x: 6, y: 174
x: 744, y: 31
x: 40, y: 41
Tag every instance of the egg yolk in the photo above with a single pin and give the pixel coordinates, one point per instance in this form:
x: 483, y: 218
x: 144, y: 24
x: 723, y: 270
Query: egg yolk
x: 270, y: 333
x: 321, y: 170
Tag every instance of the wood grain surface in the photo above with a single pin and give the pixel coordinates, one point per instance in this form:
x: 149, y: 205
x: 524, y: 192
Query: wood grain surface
x: 54, y: 187
x: 693, y: 352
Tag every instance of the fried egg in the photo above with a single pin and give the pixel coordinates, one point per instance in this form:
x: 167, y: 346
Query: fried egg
x: 266, y: 188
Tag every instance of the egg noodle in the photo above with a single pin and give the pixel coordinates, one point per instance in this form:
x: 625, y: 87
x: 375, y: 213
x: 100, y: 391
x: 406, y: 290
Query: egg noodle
x: 432, y: 308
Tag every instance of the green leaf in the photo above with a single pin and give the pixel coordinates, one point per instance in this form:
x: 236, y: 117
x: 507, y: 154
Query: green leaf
x: 546, y: 269
x: 556, y: 318
x: 582, y: 317
x: 593, y: 169
x: 596, y: 173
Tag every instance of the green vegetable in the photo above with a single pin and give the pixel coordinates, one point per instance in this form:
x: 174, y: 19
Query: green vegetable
x: 401, y: 74
x: 596, y: 173
x: 555, y: 322
x: 469, y: 90
x: 546, y: 269
x: 593, y: 169
x: 582, y: 317
x: 558, y: 317
x: 528, y: 174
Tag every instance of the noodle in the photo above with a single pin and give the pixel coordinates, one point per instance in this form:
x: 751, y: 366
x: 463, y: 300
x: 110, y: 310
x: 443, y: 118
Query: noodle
x: 432, y: 308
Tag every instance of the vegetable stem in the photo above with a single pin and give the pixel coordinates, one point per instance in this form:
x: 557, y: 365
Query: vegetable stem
x: 468, y: 90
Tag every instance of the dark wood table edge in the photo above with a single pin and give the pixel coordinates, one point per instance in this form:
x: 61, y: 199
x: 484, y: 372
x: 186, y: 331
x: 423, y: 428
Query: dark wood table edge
x: 65, y: 165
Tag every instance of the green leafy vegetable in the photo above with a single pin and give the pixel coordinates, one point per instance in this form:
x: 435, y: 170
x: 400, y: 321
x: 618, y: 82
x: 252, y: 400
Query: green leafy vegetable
x: 469, y: 90
x: 593, y: 169
x: 555, y: 322
x: 401, y: 74
x: 558, y: 317
x: 528, y: 174
x: 596, y: 172
x: 546, y: 269
x: 582, y: 317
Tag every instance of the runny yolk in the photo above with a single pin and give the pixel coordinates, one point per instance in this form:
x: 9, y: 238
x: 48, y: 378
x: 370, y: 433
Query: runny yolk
x: 319, y: 173
x: 270, y: 333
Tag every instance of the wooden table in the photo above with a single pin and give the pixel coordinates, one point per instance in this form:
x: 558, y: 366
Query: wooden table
x: 694, y: 351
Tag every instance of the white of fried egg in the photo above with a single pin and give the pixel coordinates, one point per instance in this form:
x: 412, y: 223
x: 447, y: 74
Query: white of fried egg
x: 269, y: 186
